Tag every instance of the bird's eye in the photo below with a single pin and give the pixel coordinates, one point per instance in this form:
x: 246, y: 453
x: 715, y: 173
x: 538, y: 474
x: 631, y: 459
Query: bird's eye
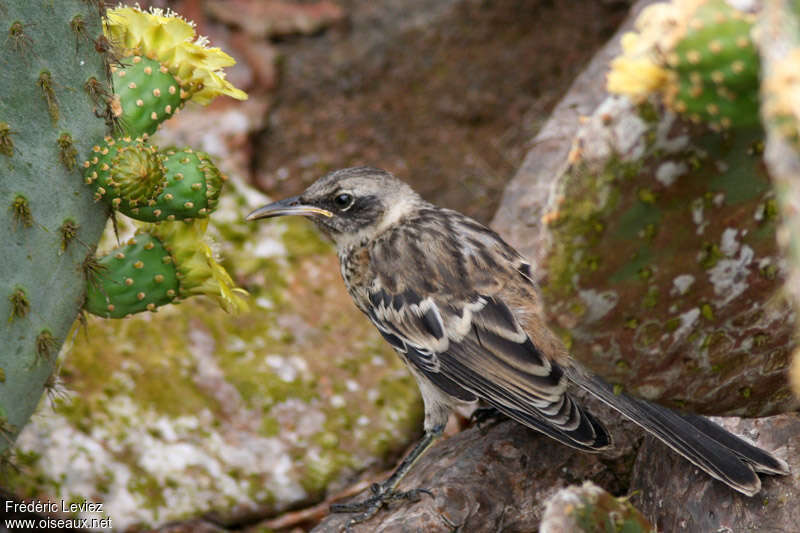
x: 343, y: 201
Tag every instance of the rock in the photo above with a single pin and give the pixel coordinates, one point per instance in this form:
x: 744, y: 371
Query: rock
x: 678, y: 497
x: 655, y: 242
x: 589, y: 508
x: 483, y: 479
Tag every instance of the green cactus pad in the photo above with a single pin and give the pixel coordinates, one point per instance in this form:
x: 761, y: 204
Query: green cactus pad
x: 47, y: 123
x: 139, y: 276
x: 125, y: 173
x: 716, y: 67
x: 192, y: 188
x: 148, y: 94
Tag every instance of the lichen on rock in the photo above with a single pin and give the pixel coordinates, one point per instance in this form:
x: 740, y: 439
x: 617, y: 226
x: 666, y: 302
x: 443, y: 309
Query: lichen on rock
x: 695, y: 274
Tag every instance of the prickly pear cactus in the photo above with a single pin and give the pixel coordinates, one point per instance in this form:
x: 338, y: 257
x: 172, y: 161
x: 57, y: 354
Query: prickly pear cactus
x: 125, y: 172
x: 135, y: 178
x: 160, y: 264
x: 163, y: 36
x: 699, y: 55
x: 158, y: 68
x: 50, y: 225
x: 144, y: 183
x: 50, y: 93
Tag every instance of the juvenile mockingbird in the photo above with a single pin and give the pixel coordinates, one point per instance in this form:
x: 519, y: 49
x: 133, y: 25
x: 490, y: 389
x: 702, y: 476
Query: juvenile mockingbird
x: 460, y: 308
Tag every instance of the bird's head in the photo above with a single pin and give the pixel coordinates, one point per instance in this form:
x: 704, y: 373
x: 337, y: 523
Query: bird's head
x: 349, y: 205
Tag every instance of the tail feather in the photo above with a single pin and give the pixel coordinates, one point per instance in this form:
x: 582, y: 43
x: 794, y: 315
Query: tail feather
x: 760, y: 460
x: 705, y: 444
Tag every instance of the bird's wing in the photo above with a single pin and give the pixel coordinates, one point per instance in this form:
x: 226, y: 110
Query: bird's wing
x: 465, y: 338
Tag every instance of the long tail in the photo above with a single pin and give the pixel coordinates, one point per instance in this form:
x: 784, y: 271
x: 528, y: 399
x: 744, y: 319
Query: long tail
x: 705, y: 444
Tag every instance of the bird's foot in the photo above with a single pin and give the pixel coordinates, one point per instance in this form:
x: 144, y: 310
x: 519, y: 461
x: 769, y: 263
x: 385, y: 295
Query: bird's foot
x: 381, y: 496
x: 484, y: 415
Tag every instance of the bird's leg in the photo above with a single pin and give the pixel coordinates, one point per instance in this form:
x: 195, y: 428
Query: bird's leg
x: 382, y: 493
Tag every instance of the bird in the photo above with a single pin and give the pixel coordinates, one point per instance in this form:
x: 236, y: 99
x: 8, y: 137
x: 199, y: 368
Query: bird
x: 461, y: 308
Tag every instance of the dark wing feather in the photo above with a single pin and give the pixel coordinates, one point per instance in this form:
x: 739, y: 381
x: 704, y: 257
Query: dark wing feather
x: 479, y: 350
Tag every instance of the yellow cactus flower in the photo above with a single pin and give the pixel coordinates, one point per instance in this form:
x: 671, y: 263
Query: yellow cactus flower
x: 642, y: 68
x: 199, y: 272
x: 634, y: 73
x: 165, y: 36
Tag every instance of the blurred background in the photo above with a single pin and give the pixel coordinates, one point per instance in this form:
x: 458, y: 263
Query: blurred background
x: 447, y: 94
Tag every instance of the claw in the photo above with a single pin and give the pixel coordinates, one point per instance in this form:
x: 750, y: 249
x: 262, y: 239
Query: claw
x: 381, y: 496
x: 385, y: 492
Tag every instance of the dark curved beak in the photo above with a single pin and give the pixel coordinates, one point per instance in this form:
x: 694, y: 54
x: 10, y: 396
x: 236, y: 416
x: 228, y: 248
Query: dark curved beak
x: 288, y: 206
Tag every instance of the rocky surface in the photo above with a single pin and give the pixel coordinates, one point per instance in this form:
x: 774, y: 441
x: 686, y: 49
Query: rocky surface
x: 478, y: 477
x: 677, y: 497
x: 655, y: 244
x: 494, y: 478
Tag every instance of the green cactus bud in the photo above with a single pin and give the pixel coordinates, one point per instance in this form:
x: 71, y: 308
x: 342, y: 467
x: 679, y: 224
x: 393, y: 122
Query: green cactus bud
x: 125, y: 173
x: 148, y: 94
x: 700, y: 58
x: 136, y: 277
x: 192, y: 188
x: 198, y: 270
x: 716, y: 68
x: 163, y: 263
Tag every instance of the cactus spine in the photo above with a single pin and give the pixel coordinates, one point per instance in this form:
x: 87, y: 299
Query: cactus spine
x: 50, y: 223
